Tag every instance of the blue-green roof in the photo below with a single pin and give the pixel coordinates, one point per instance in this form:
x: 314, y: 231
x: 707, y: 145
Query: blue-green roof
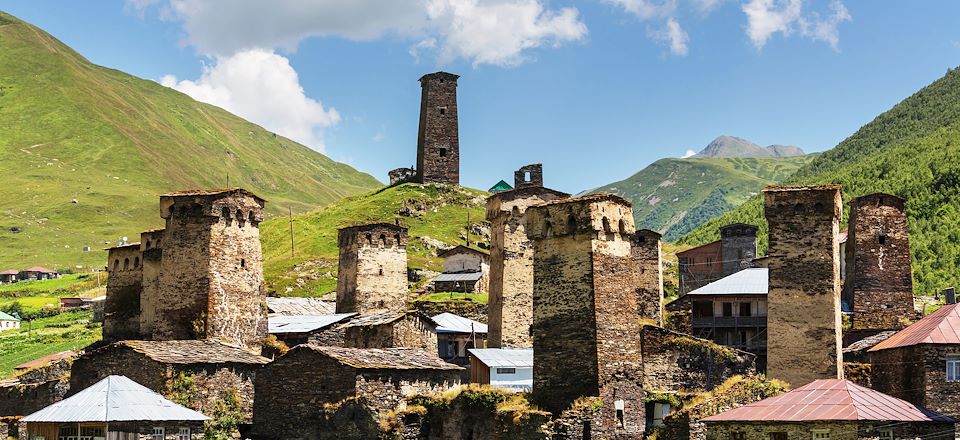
x: 6, y: 317
x: 500, y: 186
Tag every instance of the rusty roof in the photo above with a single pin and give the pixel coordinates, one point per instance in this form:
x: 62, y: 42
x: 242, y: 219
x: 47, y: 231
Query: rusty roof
x: 46, y: 360
x: 384, y: 318
x: 830, y: 400
x: 384, y: 358
x: 39, y: 269
x: 192, y: 352
x: 940, y: 327
x: 10, y: 272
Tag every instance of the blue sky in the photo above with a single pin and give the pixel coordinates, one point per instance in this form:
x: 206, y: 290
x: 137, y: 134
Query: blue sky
x: 595, y: 90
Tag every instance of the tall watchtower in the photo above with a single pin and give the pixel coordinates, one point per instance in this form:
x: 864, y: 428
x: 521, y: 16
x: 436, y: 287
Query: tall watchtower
x: 879, y: 282
x: 211, y: 272
x: 647, y: 262
x: 803, y: 303
x: 438, y: 141
x: 122, y: 306
x: 738, y: 247
x: 510, y: 311
x: 372, y: 274
x: 586, y: 335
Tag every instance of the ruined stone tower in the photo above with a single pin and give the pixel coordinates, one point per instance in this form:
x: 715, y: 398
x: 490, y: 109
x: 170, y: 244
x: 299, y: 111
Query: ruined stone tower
x: 122, y: 306
x: 879, y: 282
x: 738, y: 247
x: 803, y: 318
x: 372, y: 275
x: 645, y: 248
x: 586, y: 335
x: 211, y: 274
x: 510, y: 309
x: 151, y: 254
x: 530, y: 176
x: 438, y: 141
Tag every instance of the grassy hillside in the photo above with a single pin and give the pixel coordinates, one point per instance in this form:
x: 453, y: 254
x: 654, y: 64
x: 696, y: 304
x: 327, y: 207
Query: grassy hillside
x: 674, y: 196
x: 85, y: 150
x: 435, y: 215
x: 913, y: 151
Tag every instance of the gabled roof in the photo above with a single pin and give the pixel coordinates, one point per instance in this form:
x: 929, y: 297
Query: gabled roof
x: 284, y: 324
x: 382, y: 358
x: 450, y: 323
x: 752, y: 281
x: 300, y: 306
x: 10, y: 272
x: 829, y: 400
x: 39, y: 269
x: 114, y: 399
x: 460, y: 276
x: 6, y: 317
x: 868, y: 342
x: 504, y: 357
x: 940, y: 327
x: 500, y: 186
x: 191, y: 352
x: 384, y: 318
x: 461, y: 249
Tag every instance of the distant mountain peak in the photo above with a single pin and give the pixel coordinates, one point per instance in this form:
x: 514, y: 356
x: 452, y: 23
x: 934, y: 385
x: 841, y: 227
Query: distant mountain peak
x: 732, y: 146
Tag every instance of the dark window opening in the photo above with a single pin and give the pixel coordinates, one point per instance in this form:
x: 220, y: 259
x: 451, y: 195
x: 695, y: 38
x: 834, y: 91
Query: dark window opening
x: 778, y: 436
x: 620, y: 422
x: 623, y: 227
x: 136, y: 262
x: 745, y: 309
x: 443, y: 111
x: 702, y: 309
x: 727, y: 309
x: 443, y: 152
x: 571, y: 225
x: 369, y: 239
x: 383, y: 240
x: 586, y: 430
x: 738, y: 436
x: 243, y: 262
x: 381, y: 270
x: 126, y: 263
x: 396, y: 239
x: 883, y: 239
x: 148, y: 244
x: 116, y: 264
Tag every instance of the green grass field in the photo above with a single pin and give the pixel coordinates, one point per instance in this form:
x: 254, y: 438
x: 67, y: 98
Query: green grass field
x: 481, y: 298
x: 42, y: 337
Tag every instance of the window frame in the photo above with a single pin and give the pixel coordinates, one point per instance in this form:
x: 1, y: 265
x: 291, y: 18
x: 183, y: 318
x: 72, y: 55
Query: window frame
x: 820, y: 434
x: 158, y: 431
x: 952, y: 362
x: 184, y: 433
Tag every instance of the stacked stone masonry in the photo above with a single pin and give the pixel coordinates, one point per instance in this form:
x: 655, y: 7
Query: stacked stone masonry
x: 647, y: 261
x: 738, y: 247
x: 122, y: 305
x: 917, y: 374
x: 674, y: 362
x: 438, y: 143
x: 803, y: 321
x: 529, y: 176
x: 407, y: 330
x: 372, y: 273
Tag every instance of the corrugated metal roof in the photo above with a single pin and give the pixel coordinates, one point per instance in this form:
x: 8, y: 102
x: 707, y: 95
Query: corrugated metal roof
x: 383, y: 358
x: 303, y: 323
x: 940, y: 327
x: 465, y: 276
x: 300, y: 306
x: 504, y: 357
x: 6, y: 317
x: 114, y: 399
x: 753, y: 281
x: 450, y: 323
x: 830, y: 399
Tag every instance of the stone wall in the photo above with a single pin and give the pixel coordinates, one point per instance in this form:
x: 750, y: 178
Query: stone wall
x: 645, y: 248
x: 122, y: 305
x: 438, y: 141
x: 865, y: 430
x: 511, y: 266
x: 585, y: 319
x: 151, y: 254
x: 528, y: 176
x: 387, y: 390
x: 939, y: 394
x: 674, y: 362
x: 372, y: 273
x: 738, y: 247
x: 803, y: 321
x: 899, y: 373
x: 20, y: 399
x: 411, y: 331
x: 879, y: 282
x: 402, y: 175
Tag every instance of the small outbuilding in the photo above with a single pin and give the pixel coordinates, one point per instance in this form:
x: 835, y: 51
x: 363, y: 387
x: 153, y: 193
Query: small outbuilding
x: 508, y: 368
x: 409, y: 329
x: 8, y: 322
x: 9, y: 276
x: 465, y: 269
x: 829, y: 409
x: 301, y: 329
x: 37, y: 273
x: 456, y: 335
x: 116, y: 408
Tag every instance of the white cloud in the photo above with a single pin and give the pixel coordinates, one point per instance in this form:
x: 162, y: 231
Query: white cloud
x: 707, y: 6
x: 261, y: 86
x: 671, y: 33
x: 768, y: 17
x: 674, y: 36
x: 482, y: 32
x: 689, y: 153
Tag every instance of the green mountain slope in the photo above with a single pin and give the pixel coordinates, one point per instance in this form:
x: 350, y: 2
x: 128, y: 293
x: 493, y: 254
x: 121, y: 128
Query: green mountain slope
x: 436, y: 215
x: 85, y: 150
x: 913, y: 151
x: 674, y: 196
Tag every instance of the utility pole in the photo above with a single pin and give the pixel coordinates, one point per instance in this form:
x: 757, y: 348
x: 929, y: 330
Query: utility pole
x: 468, y: 227
x: 291, y: 231
x: 228, y: 180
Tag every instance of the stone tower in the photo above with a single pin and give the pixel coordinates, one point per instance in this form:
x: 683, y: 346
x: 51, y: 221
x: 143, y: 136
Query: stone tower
x: 122, y: 306
x: 438, y: 141
x: 879, y: 282
x: 803, y: 318
x: 738, y: 247
x: 151, y: 254
x: 510, y: 311
x: 372, y: 274
x: 530, y: 176
x: 586, y: 335
x: 211, y: 273
x: 645, y: 248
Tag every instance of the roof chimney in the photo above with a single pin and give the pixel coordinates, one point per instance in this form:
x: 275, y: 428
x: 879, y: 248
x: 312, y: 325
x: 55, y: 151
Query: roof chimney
x: 950, y: 294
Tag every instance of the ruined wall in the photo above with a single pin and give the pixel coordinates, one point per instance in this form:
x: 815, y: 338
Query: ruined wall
x: 645, y: 248
x: 387, y: 390
x: 151, y: 252
x: 879, y: 282
x: 372, y: 272
x: 21, y: 399
x: 585, y: 328
x: 852, y: 430
x: 738, y: 247
x: 411, y: 332
x: 528, y: 176
x: 438, y: 140
x: 803, y: 318
x: 122, y: 305
x: 510, y: 312
x: 674, y: 362
x: 402, y: 175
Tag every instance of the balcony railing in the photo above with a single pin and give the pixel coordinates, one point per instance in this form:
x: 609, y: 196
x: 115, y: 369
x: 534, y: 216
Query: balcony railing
x: 729, y: 321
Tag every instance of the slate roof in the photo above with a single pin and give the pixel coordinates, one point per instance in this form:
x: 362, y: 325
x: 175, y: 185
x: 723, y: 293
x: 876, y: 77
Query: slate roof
x: 504, y: 357
x: 191, y: 352
x: 284, y: 324
x: 48, y: 359
x: 383, y: 358
x: 752, y: 281
x: 383, y: 319
x: 462, y: 276
x: 461, y: 248
x: 300, y: 306
x: 450, y: 323
x: 940, y: 327
x: 866, y: 343
x: 830, y: 400
x: 210, y: 192
x: 114, y: 399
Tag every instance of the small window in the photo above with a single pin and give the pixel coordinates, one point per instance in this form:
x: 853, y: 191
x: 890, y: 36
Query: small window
x: 148, y: 244
x: 738, y: 436
x: 778, y: 436
x: 126, y: 264
x: 443, y: 111
x: 727, y: 309
x: 381, y: 270
x: 526, y: 176
x: 158, y: 433
x: 183, y: 434
x: 953, y: 368
x: 383, y: 240
x: 243, y: 262
x: 443, y: 152
x: 882, y: 238
x: 116, y: 265
x: 744, y: 309
x: 821, y: 434
x: 136, y: 262
x: 882, y: 434
x: 587, y: 434
x: 506, y: 370
x: 369, y: 239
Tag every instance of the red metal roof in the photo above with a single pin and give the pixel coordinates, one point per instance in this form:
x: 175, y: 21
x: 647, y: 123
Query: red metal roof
x: 10, y: 272
x: 940, y: 327
x: 830, y: 400
x: 39, y: 269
